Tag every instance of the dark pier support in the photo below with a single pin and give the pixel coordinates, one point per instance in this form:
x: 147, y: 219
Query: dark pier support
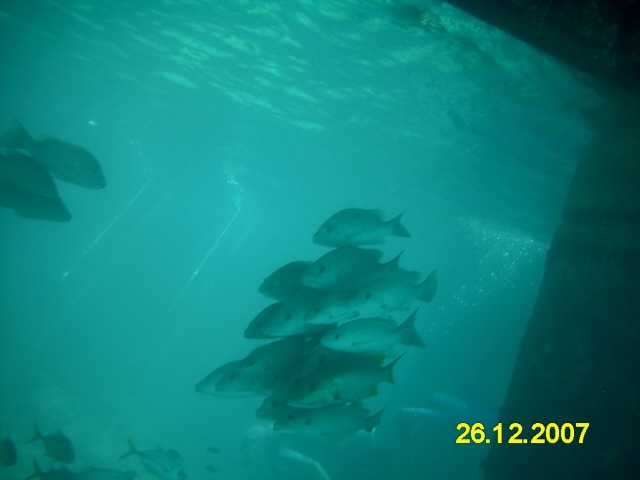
x: 579, y: 360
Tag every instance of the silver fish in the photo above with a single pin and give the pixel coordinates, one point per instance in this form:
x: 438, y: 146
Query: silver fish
x: 372, y: 335
x: 256, y: 327
x: 332, y: 423
x: 347, y: 268
x: 208, y: 385
x: 30, y: 205
x: 356, y: 226
x: 26, y: 172
x: 330, y: 309
x: 341, y: 382
x: 284, y: 282
x: 393, y: 292
x: 289, y: 319
x: 164, y: 464
x: 56, y: 445
x: 65, y: 161
x: 51, y: 474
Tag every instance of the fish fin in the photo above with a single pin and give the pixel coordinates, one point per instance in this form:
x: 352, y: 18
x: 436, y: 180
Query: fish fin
x: 372, y: 393
x: 428, y: 287
x: 388, y: 369
x: 37, y: 434
x: 132, y: 450
x: 16, y: 136
x: 408, y: 333
x: 373, y: 421
x: 394, y: 263
x: 37, y: 471
x: 174, y: 454
x: 397, y: 228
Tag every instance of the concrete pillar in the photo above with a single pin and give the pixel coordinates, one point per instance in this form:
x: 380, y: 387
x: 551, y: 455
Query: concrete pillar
x: 579, y: 360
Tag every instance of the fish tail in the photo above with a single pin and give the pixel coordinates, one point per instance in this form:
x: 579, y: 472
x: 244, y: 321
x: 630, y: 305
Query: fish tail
x: 397, y: 228
x: 408, y: 333
x: 37, y: 471
x: 37, y: 435
x: 388, y: 370
x: 132, y: 450
x: 373, y: 421
x: 428, y: 287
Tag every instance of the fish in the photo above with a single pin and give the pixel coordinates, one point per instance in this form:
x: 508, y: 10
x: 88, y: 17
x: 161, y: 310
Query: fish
x: 393, y: 292
x: 65, y: 161
x: 333, y: 422
x: 322, y: 356
x: 285, y: 281
x: 106, y: 474
x: 26, y: 172
x: 289, y: 319
x: 347, y: 268
x: 255, y: 329
x: 372, y: 335
x: 268, y: 367
x: 294, y: 455
x: 275, y: 356
x: 274, y: 405
x: 211, y: 469
x: 164, y: 464
x: 213, y: 450
x: 330, y: 309
x: 354, y: 227
x: 441, y: 408
x: 341, y: 382
x: 8, y: 453
x: 30, y: 205
x: 56, y: 445
x: 52, y: 474
x: 208, y: 384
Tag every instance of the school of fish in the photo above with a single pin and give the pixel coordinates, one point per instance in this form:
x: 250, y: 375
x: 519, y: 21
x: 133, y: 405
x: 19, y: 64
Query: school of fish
x: 332, y: 336
x: 28, y: 167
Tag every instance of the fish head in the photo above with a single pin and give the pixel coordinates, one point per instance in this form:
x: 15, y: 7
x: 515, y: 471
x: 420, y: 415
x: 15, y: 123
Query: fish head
x: 312, y: 394
x: 293, y: 420
x: 320, y: 275
x: 369, y: 300
x: 208, y: 385
x: 274, y: 406
x: 331, y: 235
x: 334, y: 339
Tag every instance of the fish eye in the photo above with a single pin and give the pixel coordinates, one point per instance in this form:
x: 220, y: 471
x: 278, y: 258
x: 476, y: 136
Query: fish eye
x: 287, y: 317
x: 312, y: 387
x: 307, y: 421
x: 290, y: 416
x: 321, y: 269
x: 231, y: 376
x: 367, y: 296
x: 328, y: 229
x: 249, y: 363
x: 337, y: 336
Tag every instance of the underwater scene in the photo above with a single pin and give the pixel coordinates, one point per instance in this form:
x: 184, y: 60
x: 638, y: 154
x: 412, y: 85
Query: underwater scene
x: 269, y: 240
